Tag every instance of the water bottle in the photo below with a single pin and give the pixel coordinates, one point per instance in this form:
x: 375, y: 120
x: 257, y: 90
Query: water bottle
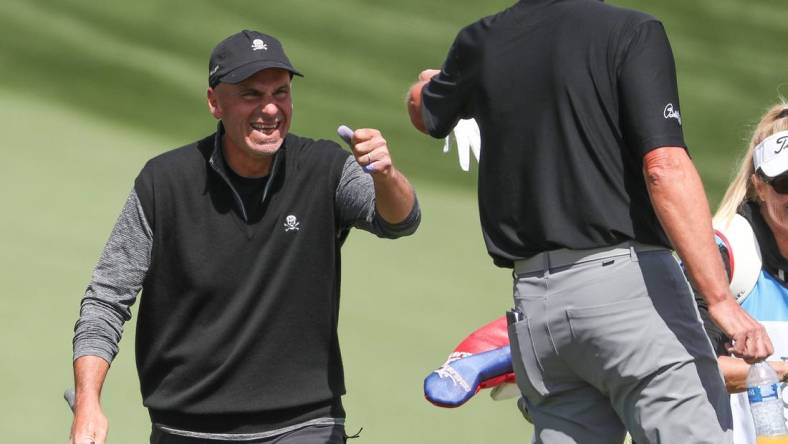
x: 766, y: 404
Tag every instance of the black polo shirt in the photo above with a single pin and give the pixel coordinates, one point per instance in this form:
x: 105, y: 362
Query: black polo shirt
x: 569, y: 96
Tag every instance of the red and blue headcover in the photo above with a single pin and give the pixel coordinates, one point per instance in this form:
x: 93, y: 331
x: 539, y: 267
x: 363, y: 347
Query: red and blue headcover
x: 482, y: 360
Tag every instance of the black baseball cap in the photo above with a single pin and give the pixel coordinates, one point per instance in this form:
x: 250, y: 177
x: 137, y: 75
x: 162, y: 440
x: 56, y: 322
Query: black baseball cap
x: 239, y: 56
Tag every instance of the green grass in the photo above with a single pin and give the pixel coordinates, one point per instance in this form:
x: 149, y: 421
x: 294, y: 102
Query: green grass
x: 405, y: 304
x: 90, y: 90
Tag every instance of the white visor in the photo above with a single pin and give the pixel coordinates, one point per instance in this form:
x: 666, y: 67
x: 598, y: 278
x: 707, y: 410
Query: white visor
x: 771, y: 155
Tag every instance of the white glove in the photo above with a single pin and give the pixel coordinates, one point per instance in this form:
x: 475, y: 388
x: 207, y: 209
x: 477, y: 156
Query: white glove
x: 468, y: 139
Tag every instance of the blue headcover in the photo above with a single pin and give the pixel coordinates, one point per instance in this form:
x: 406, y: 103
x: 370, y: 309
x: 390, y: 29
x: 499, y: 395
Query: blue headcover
x: 458, y: 379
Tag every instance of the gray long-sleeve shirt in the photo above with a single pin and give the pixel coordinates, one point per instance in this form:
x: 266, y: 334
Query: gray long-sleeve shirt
x: 120, y: 272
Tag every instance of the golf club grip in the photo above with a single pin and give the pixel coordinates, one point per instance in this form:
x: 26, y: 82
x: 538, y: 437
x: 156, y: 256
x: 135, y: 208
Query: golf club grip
x: 345, y: 133
x: 70, y: 397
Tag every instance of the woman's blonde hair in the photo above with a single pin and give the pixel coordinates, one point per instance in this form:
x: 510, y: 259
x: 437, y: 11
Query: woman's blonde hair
x: 741, y: 188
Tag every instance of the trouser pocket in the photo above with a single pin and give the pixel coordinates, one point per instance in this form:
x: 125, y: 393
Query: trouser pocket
x: 527, y: 368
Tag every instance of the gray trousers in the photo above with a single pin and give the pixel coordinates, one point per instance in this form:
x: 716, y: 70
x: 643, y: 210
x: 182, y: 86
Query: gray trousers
x: 611, y: 341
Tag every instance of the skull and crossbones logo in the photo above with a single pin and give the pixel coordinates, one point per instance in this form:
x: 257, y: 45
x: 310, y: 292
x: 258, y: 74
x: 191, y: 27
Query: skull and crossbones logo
x: 258, y: 44
x: 291, y: 223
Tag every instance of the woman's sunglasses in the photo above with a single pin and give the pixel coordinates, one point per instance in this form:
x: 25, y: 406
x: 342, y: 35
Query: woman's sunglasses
x: 779, y: 183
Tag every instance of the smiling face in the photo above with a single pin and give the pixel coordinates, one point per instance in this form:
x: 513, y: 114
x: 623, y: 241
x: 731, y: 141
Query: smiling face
x: 255, y: 114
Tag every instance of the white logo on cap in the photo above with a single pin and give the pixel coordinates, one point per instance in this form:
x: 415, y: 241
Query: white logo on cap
x: 669, y: 113
x: 259, y: 44
x: 213, y: 71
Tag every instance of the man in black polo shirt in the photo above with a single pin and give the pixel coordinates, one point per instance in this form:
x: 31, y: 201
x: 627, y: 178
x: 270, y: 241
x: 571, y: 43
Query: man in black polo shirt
x: 235, y: 242
x: 584, y: 185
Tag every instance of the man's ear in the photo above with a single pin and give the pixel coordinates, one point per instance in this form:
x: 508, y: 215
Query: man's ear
x: 213, y: 104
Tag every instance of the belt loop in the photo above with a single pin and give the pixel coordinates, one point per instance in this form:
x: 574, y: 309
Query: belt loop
x: 632, y: 253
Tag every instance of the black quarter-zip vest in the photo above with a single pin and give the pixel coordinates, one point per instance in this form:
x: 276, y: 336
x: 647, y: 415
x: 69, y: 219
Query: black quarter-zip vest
x: 239, y: 318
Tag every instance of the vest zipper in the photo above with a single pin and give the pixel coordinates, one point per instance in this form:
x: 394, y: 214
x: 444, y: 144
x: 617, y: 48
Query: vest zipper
x: 274, y: 168
x: 229, y: 184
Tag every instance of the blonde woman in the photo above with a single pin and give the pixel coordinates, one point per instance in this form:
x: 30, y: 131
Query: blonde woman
x: 752, y: 233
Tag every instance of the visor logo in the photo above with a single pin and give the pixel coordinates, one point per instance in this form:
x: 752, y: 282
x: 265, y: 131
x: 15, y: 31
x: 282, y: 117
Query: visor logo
x: 213, y: 71
x: 258, y: 44
x: 781, y: 144
x: 670, y: 113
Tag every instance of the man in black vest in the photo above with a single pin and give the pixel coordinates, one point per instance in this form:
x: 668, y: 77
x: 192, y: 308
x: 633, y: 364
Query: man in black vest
x: 584, y: 186
x: 235, y: 242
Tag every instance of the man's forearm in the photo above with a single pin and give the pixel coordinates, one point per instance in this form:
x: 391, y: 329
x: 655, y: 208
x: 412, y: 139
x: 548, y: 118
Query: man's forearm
x: 680, y: 204
x: 90, y: 424
x: 89, y: 375
x: 356, y: 205
x: 394, y: 197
